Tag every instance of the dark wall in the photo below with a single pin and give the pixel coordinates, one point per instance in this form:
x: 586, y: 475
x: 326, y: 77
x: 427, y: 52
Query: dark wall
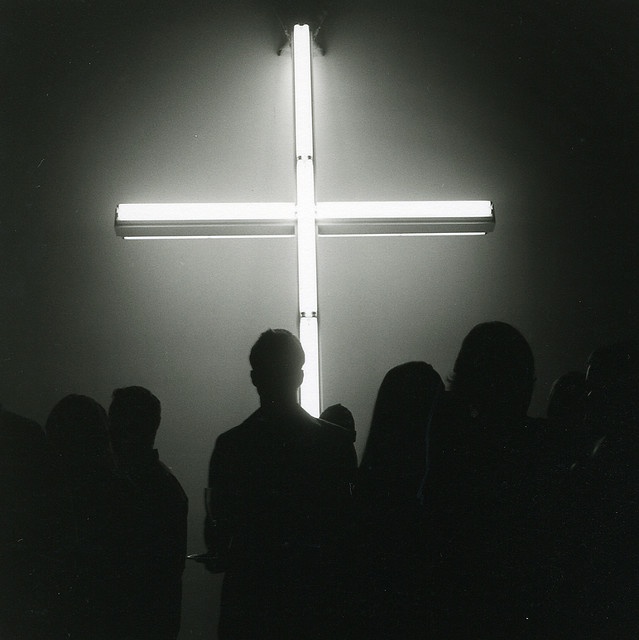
x: 531, y: 105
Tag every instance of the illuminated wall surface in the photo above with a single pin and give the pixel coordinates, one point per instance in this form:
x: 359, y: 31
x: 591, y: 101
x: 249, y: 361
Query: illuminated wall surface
x: 532, y: 107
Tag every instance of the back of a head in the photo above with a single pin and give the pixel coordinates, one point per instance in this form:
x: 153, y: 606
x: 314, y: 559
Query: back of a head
x: 399, y: 427
x: 494, y: 373
x: 77, y: 428
x: 338, y: 414
x: 134, y: 416
x: 276, y: 360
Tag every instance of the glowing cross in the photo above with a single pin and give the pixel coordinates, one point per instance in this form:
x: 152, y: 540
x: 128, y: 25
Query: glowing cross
x: 306, y: 219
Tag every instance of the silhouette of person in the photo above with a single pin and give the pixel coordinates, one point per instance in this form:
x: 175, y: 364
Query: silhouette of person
x: 27, y: 566
x: 93, y: 544
x: 389, y: 535
x: 601, y: 545
x: 157, y: 518
x: 480, y: 491
x: 279, y: 497
x: 340, y: 415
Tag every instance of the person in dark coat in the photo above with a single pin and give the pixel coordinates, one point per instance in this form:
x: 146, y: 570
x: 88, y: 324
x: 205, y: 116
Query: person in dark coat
x: 481, y: 493
x: 280, y: 494
x: 27, y: 559
x: 389, y: 590
x: 93, y: 545
x: 156, y: 521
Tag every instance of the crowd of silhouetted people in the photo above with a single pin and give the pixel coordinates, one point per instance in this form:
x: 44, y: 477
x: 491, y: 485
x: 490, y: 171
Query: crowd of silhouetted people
x: 465, y: 518
x: 93, y: 524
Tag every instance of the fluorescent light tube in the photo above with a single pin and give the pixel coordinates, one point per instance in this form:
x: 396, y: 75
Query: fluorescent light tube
x: 205, y: 219
x: 405, y: 218
x: 310, y: 389
x: 303, y: 91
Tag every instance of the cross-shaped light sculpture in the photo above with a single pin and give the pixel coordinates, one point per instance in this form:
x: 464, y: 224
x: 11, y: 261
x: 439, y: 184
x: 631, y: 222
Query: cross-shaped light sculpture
x: 304, y: 219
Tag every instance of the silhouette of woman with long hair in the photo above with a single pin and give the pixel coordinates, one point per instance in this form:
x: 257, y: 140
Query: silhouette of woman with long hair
x: 389, y: 500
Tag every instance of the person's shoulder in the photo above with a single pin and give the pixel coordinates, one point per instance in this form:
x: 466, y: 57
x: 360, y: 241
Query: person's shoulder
x: 238, y: 433
x: 170, y: 482
x: 329, y: 432
x: 164, y: 470
x: 13, y: 425
x: 334, y: 430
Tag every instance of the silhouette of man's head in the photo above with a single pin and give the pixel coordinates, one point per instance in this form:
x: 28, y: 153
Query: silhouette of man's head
x: 494, y: 373
x: 77, y: 428
x: 134, y: 416
x: 276, y: 360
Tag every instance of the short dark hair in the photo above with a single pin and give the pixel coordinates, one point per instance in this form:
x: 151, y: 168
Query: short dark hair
x: 136, y: 412
x: 277, y: 350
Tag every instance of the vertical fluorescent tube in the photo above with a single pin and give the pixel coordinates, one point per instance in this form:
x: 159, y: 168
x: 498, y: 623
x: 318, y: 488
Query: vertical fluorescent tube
x: 310, y: 389
x: 306, y: 241
x: 302, y: 83
x: 307, y: 292
x: 307, y: 288
x: 306, y: 233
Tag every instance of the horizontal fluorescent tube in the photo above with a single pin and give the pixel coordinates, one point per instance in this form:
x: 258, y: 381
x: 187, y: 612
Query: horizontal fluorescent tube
x: 482, y: 209
x: 204, y: 220
x: 404, y: 218
x: 203, y: 211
